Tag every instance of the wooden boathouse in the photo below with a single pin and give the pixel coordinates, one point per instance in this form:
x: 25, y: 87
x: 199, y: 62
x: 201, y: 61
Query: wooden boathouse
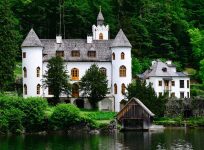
x: 135, y: 116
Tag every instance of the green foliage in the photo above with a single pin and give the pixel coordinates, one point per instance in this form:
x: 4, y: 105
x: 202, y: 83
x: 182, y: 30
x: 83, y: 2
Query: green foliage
x: 147, y: 95
x: 90, y: 85
x: 201, y: 71
x: 64, y: 116
x: 56, y: 77
x: 11, y: 120
x: 33, y: 109
x: 9, y: 38
x: 136, y: 67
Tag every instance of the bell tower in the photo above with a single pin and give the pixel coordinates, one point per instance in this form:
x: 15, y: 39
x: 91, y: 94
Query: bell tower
x: 101, y: 31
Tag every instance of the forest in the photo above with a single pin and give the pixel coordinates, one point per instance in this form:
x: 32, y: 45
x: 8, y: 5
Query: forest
x: 165, y: 29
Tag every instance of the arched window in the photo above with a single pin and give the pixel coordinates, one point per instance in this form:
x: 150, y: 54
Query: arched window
x: 25, y: 72
x: 75, y: 74
x: 38, y: 71
x: 75, y: 90
x: 103, y: 71
x: 123, y: 88
x: 113, y: 56
x: 122, y: 55
x: 25, y: 89
x: 122, y: 71
x: 38, y: 89
x: 101, y: 36
x: 115, y: 89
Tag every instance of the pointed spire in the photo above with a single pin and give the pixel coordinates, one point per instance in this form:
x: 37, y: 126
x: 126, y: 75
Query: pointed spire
x: 121, y: 40
x: 100, y: 18
x: 32, y: 40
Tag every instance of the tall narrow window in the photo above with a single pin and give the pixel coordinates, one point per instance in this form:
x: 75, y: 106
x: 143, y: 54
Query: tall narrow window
x: 101, y: 36
x: 38, y: 89
x: 173, y: 83
x: 25, y: 72
x: 50, y: 91
x: 115, y: 89
x: 38, y: 71
x: 123, y: 88
x: 103, y: 71
x: 75, y: 74
x: 113, y: 56
x: 122, y: 55
x: 181, y: 83
x: 181, y: 94
x: 187, y: 83
x: 24, y: 54
x: 25, y: 89
x: 122, y: 71
x: 160, y: 83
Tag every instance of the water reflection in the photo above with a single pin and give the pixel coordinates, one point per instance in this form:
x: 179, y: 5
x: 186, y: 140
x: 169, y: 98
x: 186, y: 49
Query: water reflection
x: 168, y: 139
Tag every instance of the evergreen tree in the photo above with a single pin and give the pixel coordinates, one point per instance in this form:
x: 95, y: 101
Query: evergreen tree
x: 147, y: 95
x: 94, y: 85
x: 9, y: 38
x: 56, y: 77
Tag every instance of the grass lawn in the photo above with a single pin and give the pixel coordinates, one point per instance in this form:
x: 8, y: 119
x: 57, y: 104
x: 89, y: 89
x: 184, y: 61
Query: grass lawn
x: 101, y: 117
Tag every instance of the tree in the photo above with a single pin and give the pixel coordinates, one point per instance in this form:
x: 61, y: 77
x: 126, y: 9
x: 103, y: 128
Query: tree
x: 201, y: 72
x: 9, y: 38
x: 56, y: 77
x: 147, y: 95
x: 94, y: 85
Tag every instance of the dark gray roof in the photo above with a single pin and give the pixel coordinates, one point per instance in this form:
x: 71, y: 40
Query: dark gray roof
x: 100, y: 16
x: 121, y: 40
x: 31, y: 40
x: 102, y: 48
x: 156, y: 70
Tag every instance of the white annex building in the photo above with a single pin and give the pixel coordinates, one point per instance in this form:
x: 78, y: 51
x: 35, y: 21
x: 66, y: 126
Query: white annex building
x: 165, y: 78
x: 113, y: 56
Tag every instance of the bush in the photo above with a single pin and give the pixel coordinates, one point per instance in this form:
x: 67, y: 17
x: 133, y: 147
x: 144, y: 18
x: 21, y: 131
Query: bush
x: 33, y: 108
x: 64, y: 116
x: 11, y: 120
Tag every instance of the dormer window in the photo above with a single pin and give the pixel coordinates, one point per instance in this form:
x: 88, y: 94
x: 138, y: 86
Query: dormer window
x: 164, y: 69
x: 91, y: 54
x: 60, y: 53
x: 75, y: 53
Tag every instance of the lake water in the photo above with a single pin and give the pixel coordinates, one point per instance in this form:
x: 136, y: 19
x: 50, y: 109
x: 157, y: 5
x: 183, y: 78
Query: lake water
x: 171, y: 139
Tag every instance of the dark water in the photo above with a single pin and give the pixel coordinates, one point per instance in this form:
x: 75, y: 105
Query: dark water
x: 171, y: 139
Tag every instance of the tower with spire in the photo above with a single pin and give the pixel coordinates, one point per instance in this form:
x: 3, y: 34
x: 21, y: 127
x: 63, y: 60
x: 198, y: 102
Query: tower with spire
x: 100, y: 31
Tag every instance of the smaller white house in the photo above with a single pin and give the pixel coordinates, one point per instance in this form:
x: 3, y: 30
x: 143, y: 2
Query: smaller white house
x: 165, y: 79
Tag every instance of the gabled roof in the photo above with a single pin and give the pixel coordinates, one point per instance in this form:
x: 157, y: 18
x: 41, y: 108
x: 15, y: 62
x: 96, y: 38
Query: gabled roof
x: 156, y: 70
x: 139, y: 103
x: 121, y: 40
x: 32, y: 40
x: 100, y: 16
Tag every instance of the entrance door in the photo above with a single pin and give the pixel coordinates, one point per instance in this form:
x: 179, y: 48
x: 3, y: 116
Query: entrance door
x: 75, y: 90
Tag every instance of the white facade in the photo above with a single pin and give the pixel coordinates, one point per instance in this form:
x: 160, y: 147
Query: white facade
x: 116, y: 78
x: 39, y: 51
x: 100, y: 30
x: 31, y: 62
x: 176, y: 84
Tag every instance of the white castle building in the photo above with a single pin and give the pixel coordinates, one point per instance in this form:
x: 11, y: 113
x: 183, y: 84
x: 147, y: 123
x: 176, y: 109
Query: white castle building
x: 165, y: 79
x: 113, y: 56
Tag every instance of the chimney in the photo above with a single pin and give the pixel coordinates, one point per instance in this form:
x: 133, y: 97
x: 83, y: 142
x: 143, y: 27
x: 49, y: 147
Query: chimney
x: 89, y: 39
x: 153, y: 62
x: 169, y: 62
x: 59, y: 39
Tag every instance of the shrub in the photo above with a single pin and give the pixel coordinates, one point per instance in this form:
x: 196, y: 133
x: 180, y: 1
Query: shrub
x: 33, y: 108
x: 64, y: 116
x: 11, y: 120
